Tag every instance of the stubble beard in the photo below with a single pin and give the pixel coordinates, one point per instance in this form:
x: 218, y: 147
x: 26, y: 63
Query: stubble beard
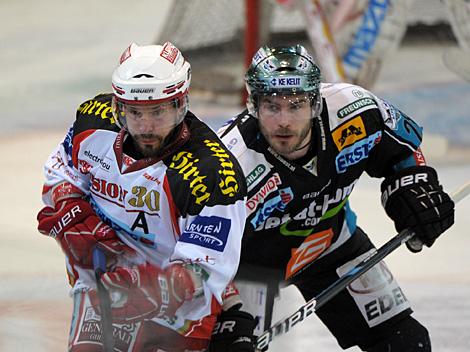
x: 149, y: 150
x: 286, y: 148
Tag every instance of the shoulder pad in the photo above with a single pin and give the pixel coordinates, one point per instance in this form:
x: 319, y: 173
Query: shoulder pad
x: 238, y: 120
x: 207, y: 170
x: 95, y: 114
x: 345, y: 101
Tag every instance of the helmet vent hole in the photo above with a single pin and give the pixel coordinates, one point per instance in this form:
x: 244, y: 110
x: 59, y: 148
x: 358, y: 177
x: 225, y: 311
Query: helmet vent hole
x: 143, y: 75
x: 287, y: 69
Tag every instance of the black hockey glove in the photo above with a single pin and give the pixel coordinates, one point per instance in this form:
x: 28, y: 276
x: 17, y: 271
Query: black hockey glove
x: 414, y: 199
x: 233, y: 332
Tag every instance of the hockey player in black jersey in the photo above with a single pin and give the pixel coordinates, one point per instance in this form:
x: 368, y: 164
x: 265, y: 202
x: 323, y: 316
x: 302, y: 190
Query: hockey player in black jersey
x: 303, y: 145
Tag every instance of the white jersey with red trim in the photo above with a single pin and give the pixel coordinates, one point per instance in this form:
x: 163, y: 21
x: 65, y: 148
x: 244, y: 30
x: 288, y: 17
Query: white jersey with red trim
x: 186, y: 206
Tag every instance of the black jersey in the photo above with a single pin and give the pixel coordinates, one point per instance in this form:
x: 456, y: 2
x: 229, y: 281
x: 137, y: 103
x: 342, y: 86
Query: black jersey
x: 298, y: 212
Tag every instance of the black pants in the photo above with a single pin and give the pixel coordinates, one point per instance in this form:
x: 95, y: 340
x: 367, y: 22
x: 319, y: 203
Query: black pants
x: 367, y: 312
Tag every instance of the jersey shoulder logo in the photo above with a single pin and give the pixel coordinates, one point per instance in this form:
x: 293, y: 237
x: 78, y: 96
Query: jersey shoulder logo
x: 96, y: 108
x: 349, y: 132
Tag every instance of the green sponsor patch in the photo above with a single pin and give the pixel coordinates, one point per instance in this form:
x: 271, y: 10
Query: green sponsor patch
x: 255, y: 174
x: 354, y: 106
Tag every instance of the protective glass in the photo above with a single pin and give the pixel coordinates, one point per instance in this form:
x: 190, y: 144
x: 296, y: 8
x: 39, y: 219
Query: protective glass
x: 162, y: 115
x: 296, y: 107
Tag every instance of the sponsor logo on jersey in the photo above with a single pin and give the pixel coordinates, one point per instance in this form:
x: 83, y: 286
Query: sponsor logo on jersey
x: 228, y: 183
x: 207, y: 231
x: 402, y: 126
x: 315, y: 194
x: 71, y: 175
x: 358, y: 151
x: 279, y: 202
x: 357, y: 93
x: 265, y: 190
x: 84, y: 167
x: 392, y: 115
x: 169, y: 52
x: 186, y: 165
x: 285, y: 82
x: 139, y: 197
x: 90, y: 331
x: 97, y: 108
x: 67, y: 143
x: 419, y: 157
x: 58, y: 162
x: 311, y: 166
x: 152, y: 178
x: 255, y: 174
x: 302, y: 223
x: 127, y: 160
x: 232, y: 143
x: 206, y: 260
x: 97, y: 159
x: 281, y: 159
x: 309, y: 250
x: 355, y: 106
x: 349, y: 132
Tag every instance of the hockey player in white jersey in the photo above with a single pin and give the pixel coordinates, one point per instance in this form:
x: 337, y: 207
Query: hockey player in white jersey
x: 152, y: 186
x: 303, y: 145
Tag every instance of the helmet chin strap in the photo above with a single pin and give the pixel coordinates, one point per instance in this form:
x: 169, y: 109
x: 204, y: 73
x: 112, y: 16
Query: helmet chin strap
x: 304, y: 146
x: 308, y: 142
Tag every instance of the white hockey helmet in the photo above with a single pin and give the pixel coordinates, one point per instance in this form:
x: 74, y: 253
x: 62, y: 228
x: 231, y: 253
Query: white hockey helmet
x: 152, y: 74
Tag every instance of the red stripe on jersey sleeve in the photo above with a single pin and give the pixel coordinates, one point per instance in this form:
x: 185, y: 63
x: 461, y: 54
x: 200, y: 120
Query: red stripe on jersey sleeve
x: 77, y: 140
x: 174, y: 212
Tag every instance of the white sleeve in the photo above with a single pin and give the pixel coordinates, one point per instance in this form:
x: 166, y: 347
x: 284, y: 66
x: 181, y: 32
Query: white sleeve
x: 212, y: 240
x: 59, y: 168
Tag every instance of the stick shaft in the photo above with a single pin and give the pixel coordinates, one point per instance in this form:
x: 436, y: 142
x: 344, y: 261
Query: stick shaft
x: 99, y: 265
x: 284, y: 325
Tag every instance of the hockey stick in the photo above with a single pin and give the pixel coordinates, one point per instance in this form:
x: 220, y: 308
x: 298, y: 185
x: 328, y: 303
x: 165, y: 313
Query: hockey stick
x: 323, y: 42
x: 286, y: 324
x: 99, y: 266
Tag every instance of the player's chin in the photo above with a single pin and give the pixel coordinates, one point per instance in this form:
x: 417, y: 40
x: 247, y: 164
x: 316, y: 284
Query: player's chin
x: 149, y: 149
x: 284, y: 147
